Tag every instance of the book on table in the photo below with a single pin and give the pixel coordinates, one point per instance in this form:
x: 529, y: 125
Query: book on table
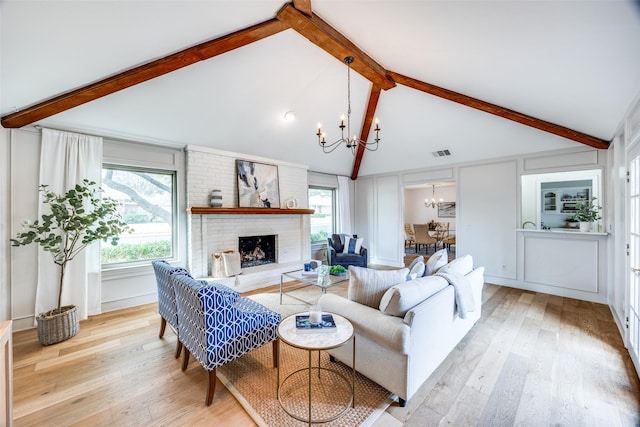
x: 304, y: 325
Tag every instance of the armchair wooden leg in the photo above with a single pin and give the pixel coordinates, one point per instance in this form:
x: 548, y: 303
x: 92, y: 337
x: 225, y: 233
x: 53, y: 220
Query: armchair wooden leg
x: 185, y: 361
x: 276, y: 350
x: 211, y: 386
x: 163, y: 326
x: 178, y: 349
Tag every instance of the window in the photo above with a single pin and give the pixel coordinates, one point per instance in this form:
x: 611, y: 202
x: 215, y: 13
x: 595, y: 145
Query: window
x: 323, y: 201
x: 148, y: 200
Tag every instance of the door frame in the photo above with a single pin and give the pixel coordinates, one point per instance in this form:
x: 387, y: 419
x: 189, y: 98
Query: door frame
x: 632, y: 152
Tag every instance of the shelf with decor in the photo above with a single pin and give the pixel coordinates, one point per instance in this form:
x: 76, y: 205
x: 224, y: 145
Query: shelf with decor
x: 559, y: 201
x: 206, y: 210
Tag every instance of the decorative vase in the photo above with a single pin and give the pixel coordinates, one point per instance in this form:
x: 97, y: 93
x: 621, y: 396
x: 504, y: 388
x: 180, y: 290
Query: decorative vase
x: 216, y: 199
x: 585, y: 226
x: 56, y: 327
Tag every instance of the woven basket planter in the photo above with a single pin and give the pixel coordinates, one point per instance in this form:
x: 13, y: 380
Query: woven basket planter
x: 53, y: 328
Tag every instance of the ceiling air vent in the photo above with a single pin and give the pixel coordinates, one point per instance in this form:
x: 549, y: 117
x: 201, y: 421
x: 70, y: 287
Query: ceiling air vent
x: 441, y: 153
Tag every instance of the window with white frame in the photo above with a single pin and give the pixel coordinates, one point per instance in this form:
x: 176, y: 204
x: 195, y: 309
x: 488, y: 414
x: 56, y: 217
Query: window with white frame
x: 323, y: 221
x: 149, y: 206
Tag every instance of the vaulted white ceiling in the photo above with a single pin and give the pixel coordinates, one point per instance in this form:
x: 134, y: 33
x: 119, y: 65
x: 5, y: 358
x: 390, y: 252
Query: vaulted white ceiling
x: 572, y: 63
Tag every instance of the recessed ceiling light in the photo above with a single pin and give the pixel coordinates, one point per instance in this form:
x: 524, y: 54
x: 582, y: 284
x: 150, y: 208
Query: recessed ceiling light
x: 290, y: 116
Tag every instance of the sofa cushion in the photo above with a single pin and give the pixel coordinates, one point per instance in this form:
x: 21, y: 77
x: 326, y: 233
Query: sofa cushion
x: 392, y: 333
x: 400, y: 298
x: 366, y: 285
x: 416, y: 268
x: 436, y: 261
x: 462, y: 265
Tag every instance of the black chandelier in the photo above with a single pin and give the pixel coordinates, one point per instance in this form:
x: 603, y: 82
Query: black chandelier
x: 351, y: 143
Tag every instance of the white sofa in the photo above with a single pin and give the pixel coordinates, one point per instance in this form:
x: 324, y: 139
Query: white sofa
x: 401, y: 346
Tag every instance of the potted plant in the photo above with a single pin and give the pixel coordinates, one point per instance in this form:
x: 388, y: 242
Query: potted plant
x: 75, y: 219
x: 587, y: 213
x: 572, y: 221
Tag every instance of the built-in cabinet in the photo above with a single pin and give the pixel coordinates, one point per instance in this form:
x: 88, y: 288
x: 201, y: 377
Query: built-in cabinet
x: 559, y: 201
x: 563, y: 200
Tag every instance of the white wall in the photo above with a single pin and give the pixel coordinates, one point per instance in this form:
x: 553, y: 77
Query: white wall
x: 23, y: 204
x: 5, y: 224
x: 488, y: 209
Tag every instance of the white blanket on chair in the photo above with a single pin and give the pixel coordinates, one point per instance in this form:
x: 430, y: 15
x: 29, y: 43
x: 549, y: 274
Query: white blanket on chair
x: 462, y: 290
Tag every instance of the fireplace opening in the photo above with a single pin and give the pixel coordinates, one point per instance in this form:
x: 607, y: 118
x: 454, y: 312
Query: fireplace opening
x: 257, y: 250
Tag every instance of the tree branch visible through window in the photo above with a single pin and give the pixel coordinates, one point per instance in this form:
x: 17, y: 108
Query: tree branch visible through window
x: 137, y: 198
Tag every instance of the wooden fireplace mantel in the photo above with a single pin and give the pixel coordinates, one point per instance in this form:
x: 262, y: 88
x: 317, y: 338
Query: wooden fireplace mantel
x: 205, y: 210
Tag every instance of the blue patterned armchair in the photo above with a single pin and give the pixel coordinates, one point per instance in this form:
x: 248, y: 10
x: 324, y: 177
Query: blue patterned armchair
x: 217, y: 325
x: 167, y: 298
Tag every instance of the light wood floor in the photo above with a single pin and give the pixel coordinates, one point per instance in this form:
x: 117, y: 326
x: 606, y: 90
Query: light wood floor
x: 533, y: 359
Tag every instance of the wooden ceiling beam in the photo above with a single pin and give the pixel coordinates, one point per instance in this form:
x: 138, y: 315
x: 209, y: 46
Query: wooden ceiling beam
x: 142, y: 73
x: 334, y: 43
x: 303, y: 6
x: 369, y: 115
x: 499, y: 111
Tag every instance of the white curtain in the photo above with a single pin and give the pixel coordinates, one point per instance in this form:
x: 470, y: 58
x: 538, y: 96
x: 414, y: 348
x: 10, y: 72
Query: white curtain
x: 344, y: 205
x: 65, y: 160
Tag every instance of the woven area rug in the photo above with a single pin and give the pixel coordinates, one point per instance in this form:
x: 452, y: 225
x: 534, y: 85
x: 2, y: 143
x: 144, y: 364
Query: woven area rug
x: 252, y: 379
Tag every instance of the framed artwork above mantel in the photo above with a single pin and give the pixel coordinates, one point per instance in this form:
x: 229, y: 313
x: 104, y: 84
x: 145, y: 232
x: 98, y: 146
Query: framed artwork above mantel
x: 257, y: 185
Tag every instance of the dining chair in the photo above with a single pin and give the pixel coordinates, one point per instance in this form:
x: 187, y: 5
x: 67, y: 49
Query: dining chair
x: 444, y: 232
x: 450, y: 240
x: 423, y: 237
x: 409, y: 236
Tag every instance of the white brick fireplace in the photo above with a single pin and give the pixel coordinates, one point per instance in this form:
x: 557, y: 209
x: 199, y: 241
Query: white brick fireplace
x: 209, y: 169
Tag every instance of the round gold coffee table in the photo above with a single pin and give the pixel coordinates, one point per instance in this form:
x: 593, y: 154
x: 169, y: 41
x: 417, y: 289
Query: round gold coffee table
x: 316, y: 341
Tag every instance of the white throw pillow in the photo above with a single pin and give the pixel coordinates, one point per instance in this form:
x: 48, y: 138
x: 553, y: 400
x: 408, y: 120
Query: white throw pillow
x: 462, y: 265
x: 231, y: 263
x: 366, y: 285
x: 400, y: 298
x: 352, y: 245
x: 436, y: 261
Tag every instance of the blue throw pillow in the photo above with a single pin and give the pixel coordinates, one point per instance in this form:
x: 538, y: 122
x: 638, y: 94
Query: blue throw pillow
x: 417, y: 266
x: 352, y: 245
x: 337, y: 243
